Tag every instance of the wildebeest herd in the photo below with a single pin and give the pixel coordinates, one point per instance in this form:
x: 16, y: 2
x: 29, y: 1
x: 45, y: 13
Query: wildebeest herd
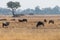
x: 39, y: 23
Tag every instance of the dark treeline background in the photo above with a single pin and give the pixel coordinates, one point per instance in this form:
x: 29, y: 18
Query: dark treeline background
x: 37, y: 10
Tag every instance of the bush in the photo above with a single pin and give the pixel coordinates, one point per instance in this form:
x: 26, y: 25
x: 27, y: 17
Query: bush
x: 18, y: 15
x: 31, y: 14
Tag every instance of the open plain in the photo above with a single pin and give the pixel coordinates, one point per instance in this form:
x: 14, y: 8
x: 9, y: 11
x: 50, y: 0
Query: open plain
x: 28, y: 31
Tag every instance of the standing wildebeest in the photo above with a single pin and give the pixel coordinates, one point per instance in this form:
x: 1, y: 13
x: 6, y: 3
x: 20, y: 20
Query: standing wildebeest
x: 5, y: 24
x: 3, y: 19
x: 24, y: 20
x: 45, y: 20
x: 51, y: 21
x: 40, y: 23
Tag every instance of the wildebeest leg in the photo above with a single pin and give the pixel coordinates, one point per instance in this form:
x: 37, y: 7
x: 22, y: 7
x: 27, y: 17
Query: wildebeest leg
x: 26, y: 21
x: 40, y: 25
x: 43, y: 25
x: 37, y: 25
x: 3, y: 25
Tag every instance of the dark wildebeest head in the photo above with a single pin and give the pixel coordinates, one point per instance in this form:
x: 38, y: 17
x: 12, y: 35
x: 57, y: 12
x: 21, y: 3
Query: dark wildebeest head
x: 45, y: 20
x: 5, y: 24
x: 24, y: 20
x: 39, y: 24
x: 51, y: 21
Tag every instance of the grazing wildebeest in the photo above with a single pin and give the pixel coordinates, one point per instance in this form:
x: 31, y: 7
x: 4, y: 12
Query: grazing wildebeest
x: 5, y: 24
x: 24, y: 20
x: 51, y: 21
x: 45, y: 20
x: 3, y: 19
x: 39, y: 24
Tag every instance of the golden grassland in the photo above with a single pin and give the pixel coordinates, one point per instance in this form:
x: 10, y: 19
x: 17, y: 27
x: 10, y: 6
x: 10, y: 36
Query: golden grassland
x: 28, y: 31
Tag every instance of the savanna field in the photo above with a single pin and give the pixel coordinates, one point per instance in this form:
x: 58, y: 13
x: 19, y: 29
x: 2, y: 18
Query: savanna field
x: 28, y: 31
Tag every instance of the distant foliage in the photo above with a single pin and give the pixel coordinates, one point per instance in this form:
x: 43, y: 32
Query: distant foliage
x: 31, y: 13
x: 21, y: 14
x: 37, y: 10
x: 18, y: 15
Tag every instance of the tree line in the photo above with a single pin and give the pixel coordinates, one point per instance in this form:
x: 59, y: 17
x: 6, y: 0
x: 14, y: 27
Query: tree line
x: 15, y: 5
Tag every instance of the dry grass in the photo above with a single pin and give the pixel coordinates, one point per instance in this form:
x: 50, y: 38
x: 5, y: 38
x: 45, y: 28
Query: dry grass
x: 28, y: 31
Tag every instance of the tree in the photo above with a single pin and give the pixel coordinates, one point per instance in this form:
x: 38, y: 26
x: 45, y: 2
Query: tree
x: 37, y: 9
x: 56, y: 9
x: 13, y: 6
x: 47, y: 10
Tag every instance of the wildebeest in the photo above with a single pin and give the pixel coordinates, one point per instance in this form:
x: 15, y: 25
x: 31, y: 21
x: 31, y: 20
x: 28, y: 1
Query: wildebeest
x: 45, y: 20
x: 39, y: 24
x: 23, y: 20
x: 3, y: 19
x: 5, y: 24
x: 51, y: 21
